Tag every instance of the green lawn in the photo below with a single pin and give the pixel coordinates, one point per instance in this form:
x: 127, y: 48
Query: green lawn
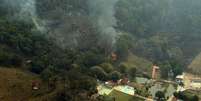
x: 119, y: 96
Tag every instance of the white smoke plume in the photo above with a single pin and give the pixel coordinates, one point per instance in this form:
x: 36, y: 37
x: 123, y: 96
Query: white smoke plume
x: 24, y: 10
x: 102, y: 11
x: 59, y: 21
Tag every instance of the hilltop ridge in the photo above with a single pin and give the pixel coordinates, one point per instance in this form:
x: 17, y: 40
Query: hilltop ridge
x: 195, y: 66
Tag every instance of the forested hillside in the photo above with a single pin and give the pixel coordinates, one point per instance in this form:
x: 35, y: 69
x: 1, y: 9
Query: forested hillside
x: 195, y: 66
x: 164, y: 30
x: 76, y: 42
x: 161, y: 26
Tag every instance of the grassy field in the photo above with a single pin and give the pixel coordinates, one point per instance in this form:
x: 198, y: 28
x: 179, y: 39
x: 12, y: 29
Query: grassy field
x: 16, y: 85
x: 119, y: 96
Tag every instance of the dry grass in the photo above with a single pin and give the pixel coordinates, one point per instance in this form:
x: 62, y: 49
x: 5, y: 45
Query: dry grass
x: 15, y: 85
x: 141, y: 63
x: 195, y: 66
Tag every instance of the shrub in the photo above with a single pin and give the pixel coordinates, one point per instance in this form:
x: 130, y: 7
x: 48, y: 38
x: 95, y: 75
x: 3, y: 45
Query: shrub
x: 115, y: 75
x: 107, y: 67
x: 99, y: 73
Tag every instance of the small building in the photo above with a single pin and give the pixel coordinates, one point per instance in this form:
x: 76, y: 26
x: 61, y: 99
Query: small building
x: 195, y: 83
x: 155, y: 72
x: 180, y: 79
x: 111, y: 83
x: 123, y: 81
x: 191, y: 81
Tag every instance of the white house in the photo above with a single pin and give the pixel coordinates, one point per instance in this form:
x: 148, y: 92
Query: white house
x: 196, y: 83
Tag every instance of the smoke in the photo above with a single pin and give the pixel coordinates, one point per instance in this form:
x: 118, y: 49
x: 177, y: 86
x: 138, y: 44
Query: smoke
x: 28, y: 10
x: 66, y: 22
x: 24, y: 10
x: 102, y: 11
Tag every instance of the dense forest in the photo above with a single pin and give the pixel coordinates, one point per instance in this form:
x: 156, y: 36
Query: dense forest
x: 74, y: 41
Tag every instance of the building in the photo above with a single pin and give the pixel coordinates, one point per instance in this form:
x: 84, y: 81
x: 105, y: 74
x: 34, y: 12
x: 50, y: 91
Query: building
x: 195, y: 83
x: 155, y: 72
x: 123, y: 81
x: 180, y: 79
x: 190, y: 81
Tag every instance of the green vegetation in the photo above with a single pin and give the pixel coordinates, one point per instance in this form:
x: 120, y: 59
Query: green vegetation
x: 99, y: 73
x: 119, y: 96
x: 35, y: 53
x: 115, y: 76
x: 132, y: 72
x: 160, y: 96
x: 162, y: 30
x: 142, y: 91
x: 187, y: 95
x: 142, y: 65
x: 123, y: 45
x: 170, y: 66
x: 107, y: 67
x: 136, y: 99
x: 194, y: 67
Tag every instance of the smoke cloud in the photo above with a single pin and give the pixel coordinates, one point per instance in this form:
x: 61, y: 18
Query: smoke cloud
x: 28, y: 9
x: 63, y: 24
x: 23, y: 10
x: 102, y: 11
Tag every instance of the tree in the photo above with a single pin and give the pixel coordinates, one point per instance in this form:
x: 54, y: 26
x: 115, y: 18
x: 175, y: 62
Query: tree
x: 164, y: 68
x: 186, y: 96
x: 176, y: 67
x: 98, y: 73
x: 47, y: 73
x: 115, y: 76
x: 160, y: 96
x: 123, y: 68
x: 132, y: 72
x: 138, y: 17
x: 195, y: 98
x: 107, y: 67
x: 123, y: 44
x: 6, y: 57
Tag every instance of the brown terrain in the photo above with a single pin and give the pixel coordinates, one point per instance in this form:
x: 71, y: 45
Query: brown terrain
x: 16, y: 85
x: 195, y: 66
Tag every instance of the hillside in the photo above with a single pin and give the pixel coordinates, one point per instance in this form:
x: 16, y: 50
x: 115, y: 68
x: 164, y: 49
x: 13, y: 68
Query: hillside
x: 142, y: 65
x: 15, y: 84
x: 195, y: 66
